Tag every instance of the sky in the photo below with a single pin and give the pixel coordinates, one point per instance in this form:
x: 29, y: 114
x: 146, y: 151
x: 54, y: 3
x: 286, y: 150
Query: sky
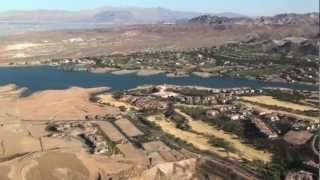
x: 245, y: 7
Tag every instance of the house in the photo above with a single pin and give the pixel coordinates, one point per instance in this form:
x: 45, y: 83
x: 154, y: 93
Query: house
x: 145, y: 102
x: 272, y: 117
x: 235, y: 117
x: 212, y: 113
x: 299, y: 175
x: 312, y: 164
x: 263, y: 127
x: 166, y: 94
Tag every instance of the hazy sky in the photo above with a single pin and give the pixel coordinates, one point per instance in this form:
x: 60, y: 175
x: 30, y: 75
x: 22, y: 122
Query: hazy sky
x: 247, y: 7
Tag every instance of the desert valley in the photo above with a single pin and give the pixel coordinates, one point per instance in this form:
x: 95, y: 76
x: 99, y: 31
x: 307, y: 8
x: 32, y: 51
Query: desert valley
x: 151, y: 93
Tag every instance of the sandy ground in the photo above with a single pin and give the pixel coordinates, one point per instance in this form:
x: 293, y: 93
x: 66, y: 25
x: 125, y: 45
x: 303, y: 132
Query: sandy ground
x: 298, y: 137
x: 30, y: 155
x: 143, y: 72
x: 170, y: 171
x: 61, y: 166
x: 34, y: 156
x: 124, y: 72
x: 103, y: 70
x: 4, y: 172
x: 270, y: 101
x: 11, y: 91
x: 64, y: 164
x: 112, y: 132
x: 133, y: 154
x: 17, y: 143
x: 70, y: 104
x: 20, y: 46
x: 202, y: 74
x: 81, y: 43
x: 130, y: 129
x: 149, y: 72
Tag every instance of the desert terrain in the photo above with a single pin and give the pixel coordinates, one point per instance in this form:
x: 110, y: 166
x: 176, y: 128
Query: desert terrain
x: 29, y: 151
x: 43, y: 45
x: 163, y: 131
x: 25, y: 147
x: 71, y: 104
x: 94, y: 133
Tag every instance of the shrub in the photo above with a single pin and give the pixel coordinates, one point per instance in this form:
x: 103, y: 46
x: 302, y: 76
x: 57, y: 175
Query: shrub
x: 117, y: 95
x: 219, y: 142
x: 180, y: 121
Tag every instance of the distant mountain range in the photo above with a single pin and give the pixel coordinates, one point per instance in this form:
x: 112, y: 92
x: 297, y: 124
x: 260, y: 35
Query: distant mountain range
x: 281, y: 19
x: 137, y: 15
x: 111, y: 15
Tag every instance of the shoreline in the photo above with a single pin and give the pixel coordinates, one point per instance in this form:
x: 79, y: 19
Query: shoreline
x: 205, y: 75
x: 177, y: 75
x: 24, y: 92
x: 151, y: 72
x: 124, y: 72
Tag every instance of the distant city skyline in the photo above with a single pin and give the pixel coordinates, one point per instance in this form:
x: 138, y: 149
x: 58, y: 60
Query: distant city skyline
x: 245, y: 7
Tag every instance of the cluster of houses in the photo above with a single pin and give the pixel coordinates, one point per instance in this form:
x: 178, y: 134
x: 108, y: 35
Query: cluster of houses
x: 233, y: 59
x: 264, y: 128
x: 197, y: 100
x: 96, y: 139
x: 145, y: 103
x: 233, y: 112
x: 268, y: 124
x: 231, y: 91
x: 88, y: 131
x: 213, y: 96
x: 307, y: 74
x: 299, y: 175
x: 221, y: 101
x: 261, y: 120
x: 72, y: 61
x: 56, y: 62
x: 117, y: 138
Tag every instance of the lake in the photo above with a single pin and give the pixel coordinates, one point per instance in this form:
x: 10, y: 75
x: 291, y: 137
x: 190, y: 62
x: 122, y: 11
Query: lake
x: 44, y: 78
x: 13, y: 27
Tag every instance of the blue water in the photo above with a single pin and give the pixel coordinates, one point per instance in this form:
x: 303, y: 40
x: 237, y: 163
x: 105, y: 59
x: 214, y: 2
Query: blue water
x: 44, y: 78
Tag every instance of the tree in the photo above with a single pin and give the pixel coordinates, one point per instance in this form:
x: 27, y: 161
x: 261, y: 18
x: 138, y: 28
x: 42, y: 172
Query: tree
x: 170, y: 108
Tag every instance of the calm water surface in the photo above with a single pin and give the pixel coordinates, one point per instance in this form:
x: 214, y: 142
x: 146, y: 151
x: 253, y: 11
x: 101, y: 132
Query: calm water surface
x: 44, y: 78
